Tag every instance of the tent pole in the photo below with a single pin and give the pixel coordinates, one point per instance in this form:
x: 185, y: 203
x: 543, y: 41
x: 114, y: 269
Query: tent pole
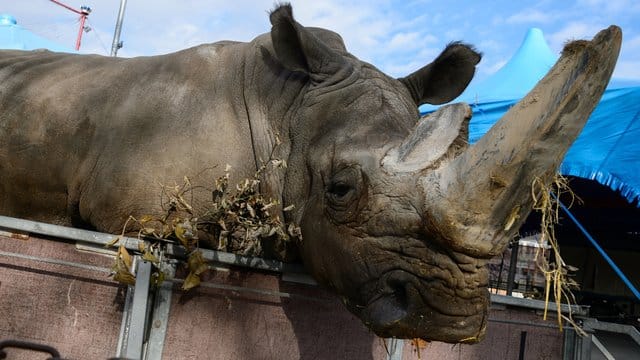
x: 117, y: 44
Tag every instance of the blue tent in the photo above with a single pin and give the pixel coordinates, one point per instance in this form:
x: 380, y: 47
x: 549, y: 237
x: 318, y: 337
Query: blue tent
x: 14, y: 36
x: 607, y: 150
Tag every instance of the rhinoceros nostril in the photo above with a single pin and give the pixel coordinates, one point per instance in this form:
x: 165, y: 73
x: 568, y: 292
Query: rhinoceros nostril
x: 390, y: 305
x: 399, y: 293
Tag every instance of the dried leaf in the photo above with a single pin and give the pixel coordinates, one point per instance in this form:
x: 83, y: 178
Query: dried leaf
x: 150, y: 257
x: 223, y: 226
x: 122, y: 273
x: 158, y: 278
x: 289, y: 208
x: 571, y: 268
x: 252, y: 212
x: 268, y: 206
x: 124, y: 255
x: 125, y: 277
x: 272, y: 231
x: 145, y: 219
x: 294, y: 231
x: 181, y: 234
x: 191, y: 281
x: 148, y: 231
x: 113, y: 242
x: 197, y: 263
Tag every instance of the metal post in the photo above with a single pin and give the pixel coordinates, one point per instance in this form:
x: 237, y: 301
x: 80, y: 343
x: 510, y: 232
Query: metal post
x: 512, y: 266
x: 83, y: 18
x: 136, y: 330
x: 83, y: 12
x: 117, y: 44
x: 523, y: 344
x: 160, y: 314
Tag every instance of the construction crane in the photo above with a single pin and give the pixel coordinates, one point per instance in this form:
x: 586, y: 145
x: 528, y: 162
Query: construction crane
x: 84, y: 13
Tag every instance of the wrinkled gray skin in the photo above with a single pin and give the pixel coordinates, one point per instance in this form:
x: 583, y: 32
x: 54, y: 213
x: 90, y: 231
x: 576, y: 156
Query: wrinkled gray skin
x: 398, y: 217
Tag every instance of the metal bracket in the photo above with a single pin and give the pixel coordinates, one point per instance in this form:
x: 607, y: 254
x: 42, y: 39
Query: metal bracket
x: 160, y: 314
x: 134, y: 317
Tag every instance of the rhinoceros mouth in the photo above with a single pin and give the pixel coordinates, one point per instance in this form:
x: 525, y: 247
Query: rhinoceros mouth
x: 409, y: 306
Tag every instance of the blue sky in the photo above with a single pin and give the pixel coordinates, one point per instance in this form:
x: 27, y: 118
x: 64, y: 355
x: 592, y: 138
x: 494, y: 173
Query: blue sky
x: 396, y: 36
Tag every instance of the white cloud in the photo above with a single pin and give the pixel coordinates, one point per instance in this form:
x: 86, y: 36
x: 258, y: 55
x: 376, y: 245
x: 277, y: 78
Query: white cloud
x: 572, y: 31
x: 529, y: 16
x: 632, y: 43
x: 492, y: 68
x: 490, y: 45
x: 404, y: 40
x: 611, y: 6
x: 627, y: 70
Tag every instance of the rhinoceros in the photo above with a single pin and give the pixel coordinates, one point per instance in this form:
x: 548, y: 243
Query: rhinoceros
x: 399, y: 215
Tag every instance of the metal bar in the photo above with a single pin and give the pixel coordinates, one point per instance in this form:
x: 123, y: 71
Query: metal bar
x: 67, y: 7
x: 523, y: 344
x: 130, y: 243
x: 585, y: 347
x: 602, y: 348
x: 83, y: 18
x: 604, y: 254
x: 616, y: 328
x: 569, y: 343
x: 55, y: 261
x: 238, y: 260
x: 513, y: 266
x: 536, y: 304
x: 137, y: 325
x: 252, y: 290
x: 584, y: 342
x: 116, y: 44
x: 160, y: 315
x: 526, y: 323
x: 394, y: 348
x: 124, y: 326
x: 68, y: 233
x: 299, y: 278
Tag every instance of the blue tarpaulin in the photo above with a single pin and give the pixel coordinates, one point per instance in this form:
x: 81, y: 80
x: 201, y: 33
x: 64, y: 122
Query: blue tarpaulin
x: 14, y: 36
x: 607, y: 150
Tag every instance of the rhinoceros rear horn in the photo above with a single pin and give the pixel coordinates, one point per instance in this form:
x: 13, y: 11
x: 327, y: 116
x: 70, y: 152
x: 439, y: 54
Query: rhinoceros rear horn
x: 446, y: 77
x: 300, y: 50
x: 477, y: 200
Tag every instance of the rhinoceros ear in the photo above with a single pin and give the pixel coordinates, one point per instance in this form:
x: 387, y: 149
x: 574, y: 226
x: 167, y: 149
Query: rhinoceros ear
x: 446, y: 77
x: 299, y: 50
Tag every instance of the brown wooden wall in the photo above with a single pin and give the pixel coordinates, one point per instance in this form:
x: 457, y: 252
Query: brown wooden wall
x: 79, y: 312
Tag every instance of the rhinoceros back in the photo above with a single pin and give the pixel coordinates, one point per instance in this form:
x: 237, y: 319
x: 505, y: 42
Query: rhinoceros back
x: 93, y: 139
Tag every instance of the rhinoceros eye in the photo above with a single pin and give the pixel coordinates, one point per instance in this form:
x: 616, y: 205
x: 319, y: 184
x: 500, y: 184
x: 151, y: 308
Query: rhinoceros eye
x: 343, y: 193
x: 339, y: 190
x: 343, y: 187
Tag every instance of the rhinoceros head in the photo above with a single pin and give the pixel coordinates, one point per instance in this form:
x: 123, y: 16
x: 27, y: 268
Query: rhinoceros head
x: 398, y: 214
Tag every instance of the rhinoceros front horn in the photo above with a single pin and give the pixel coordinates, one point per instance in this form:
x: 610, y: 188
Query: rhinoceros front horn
x: 477, y: 198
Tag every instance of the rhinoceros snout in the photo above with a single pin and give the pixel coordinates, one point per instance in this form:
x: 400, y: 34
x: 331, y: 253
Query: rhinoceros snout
x: 402, y: 309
